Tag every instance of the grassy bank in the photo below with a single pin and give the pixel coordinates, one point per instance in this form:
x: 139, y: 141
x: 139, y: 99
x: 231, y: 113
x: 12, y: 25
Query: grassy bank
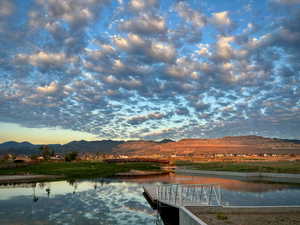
x: 72, y: 170
x: 266, y: 167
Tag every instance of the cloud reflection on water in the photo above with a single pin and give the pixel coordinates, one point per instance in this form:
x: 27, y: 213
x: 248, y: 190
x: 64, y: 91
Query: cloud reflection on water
x: 119, y: 202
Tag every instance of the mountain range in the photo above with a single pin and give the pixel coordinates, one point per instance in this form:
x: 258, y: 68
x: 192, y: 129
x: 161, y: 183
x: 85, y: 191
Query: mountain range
x: 231, y: 144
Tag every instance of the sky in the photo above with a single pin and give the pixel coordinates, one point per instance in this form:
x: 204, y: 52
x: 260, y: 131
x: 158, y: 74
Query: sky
x: 148, y: 69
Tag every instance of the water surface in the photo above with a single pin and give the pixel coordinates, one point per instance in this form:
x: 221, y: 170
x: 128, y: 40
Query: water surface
x: 118, y: 202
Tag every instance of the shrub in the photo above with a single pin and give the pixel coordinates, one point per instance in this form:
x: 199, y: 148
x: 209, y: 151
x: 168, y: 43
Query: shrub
x: 221, y: 216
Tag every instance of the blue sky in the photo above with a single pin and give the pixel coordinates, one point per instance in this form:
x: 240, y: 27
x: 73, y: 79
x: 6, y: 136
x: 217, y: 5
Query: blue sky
x: 148, y: 69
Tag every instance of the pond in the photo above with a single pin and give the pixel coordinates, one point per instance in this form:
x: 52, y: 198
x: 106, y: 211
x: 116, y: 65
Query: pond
x: 117, y: 202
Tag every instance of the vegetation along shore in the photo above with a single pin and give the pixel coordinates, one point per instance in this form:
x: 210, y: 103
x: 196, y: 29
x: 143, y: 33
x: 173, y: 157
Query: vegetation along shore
x: 76, y: 170
x: 262, y: 166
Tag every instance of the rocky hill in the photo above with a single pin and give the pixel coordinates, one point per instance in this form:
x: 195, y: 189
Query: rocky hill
x: 235, y: 144
x: 238, y: 144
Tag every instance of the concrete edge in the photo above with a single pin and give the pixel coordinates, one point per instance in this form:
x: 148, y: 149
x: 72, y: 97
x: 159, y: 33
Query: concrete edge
x: 190, y: 214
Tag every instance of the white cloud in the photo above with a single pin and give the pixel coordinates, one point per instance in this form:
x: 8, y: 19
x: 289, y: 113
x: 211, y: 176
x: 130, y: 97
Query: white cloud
x: 145, y: 24
x: 204, y: 50
x: 260, y: 42
x: 48, y: 89
x: 129, y: 83
x: 142, y: 118
x: 162, y: 51
x: 141, y: 4
x: 136, y: 40
x: 46, y: 59
x: 221, y: 19
x: 75, y: 12
x: 190, y: 15
x: 223, y: 47
x: 184, y: 68
x: 133, y: 42
x: 122, y: 43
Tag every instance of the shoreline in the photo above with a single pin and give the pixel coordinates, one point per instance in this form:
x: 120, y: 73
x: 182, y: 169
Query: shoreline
x: 251, y: 176
x: 28, y: 178
x: 140, y: 173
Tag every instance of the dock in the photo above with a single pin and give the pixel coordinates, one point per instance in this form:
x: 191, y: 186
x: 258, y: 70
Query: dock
x: 187, y: 204
x: 178, y: 195
x: 171, y: 200
x: 150, y: 194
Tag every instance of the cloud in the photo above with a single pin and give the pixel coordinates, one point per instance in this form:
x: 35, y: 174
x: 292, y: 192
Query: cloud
x: 6, y: 8
x: 223, y: 47
x: 194, y: 17
x: 156, y: 50
x: 144, y: 24
x: 160, y: 134
x: 75, y: 12
x: 48, y: 89
x: 143, y: 118
x: 45, y: 59
x: 132, y: 43
x: 221, y: 19
x: 141, y: 4
x: 149, y: 69
x: 286, y: 2
x: 129, y: 83
x: 183, y: 68
x: 162, y: 51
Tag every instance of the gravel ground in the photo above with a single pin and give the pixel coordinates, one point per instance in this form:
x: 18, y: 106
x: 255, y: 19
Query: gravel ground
x: 248, y: 216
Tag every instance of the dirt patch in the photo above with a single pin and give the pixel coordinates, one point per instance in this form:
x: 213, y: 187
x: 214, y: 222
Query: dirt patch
x: 248, y: 216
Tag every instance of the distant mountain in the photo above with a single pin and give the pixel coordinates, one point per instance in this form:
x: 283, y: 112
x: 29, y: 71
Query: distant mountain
x: 230, y: 144
x: 166, y: 141
x: 105, y: 146
x: 23, y: 148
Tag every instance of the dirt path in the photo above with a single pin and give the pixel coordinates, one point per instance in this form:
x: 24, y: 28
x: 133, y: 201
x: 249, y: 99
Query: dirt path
x: 248, y: 216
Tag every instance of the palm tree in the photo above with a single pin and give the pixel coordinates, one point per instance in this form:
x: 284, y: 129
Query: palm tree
x: 34, y: 197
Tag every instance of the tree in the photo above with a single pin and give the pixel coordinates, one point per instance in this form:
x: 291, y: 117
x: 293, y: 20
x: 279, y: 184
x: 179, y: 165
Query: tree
x: 46, y: 152
x: 34, y: 157
x: 71, y: 156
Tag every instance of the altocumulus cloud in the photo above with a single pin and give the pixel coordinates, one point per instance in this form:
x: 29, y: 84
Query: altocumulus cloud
x: 152, y: 69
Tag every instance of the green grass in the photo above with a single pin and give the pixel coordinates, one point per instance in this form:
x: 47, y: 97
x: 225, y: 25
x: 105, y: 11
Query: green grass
x: 78, y: 169
x: 267, y: 167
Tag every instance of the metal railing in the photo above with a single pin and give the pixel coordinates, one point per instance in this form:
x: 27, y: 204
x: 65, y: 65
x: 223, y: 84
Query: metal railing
x: 189, y: 194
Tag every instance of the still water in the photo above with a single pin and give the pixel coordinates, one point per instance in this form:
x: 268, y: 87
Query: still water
x: 118, y: 202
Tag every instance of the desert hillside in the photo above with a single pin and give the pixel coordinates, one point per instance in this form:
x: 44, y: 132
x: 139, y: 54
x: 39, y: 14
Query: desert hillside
x: 236, y: 144
x: 239, y: 144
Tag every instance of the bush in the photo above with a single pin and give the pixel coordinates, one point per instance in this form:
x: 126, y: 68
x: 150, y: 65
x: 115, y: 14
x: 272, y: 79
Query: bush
x: 221, y: 216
